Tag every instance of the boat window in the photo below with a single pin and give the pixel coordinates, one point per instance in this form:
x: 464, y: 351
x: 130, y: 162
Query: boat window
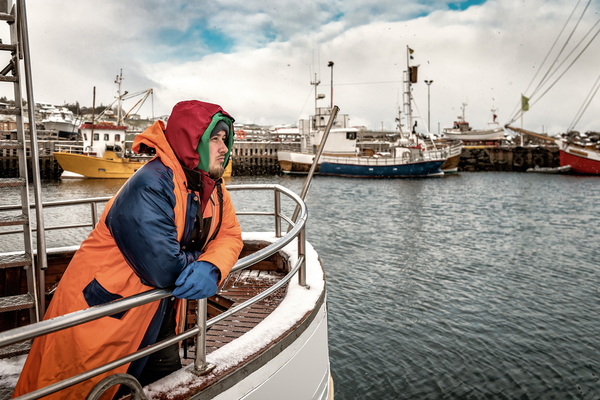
x: 117, y: 137
x: 351, y: 135
x: 96, y: 136
x: 106, y: 137
x: 85, y: 136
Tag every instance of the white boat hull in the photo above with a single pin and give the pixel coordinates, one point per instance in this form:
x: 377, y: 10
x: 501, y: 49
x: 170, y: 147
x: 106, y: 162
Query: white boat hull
x: 60, y: 126
x: 294, y: 162
x: 475, y: 135
x: 300, y: 372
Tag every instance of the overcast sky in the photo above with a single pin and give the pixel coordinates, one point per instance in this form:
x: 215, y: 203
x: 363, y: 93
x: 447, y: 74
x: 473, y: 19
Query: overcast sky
x: 257, y: 59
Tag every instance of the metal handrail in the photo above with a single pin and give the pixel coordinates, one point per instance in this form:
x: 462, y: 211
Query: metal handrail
x: 93, y: 202
x: 79, y: 317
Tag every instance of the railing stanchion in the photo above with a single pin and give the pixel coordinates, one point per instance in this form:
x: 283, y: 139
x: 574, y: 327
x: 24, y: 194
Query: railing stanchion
x: 201, y: 367
x: 277, y: 213
x: 302, y: 253
x: 94, y: 214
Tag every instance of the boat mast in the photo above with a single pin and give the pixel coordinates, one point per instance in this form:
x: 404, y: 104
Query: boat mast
x: 118, y: 81
x: 407, y: 94
x: 315, y: 83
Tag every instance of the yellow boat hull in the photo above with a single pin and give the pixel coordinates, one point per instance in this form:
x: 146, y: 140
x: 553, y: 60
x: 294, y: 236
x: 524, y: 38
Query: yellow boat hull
x: 110, y: 166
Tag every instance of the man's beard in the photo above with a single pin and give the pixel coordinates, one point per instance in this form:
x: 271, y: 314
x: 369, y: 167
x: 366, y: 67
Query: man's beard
x: 216, y: 172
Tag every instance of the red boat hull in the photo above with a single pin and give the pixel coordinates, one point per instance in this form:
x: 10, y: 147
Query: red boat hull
x: 579, y: 163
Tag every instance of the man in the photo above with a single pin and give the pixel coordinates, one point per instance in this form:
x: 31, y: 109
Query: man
x: 172, y: 223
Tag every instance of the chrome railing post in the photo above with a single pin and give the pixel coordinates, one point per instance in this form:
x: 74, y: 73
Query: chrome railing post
x: 302, y: 253
x: 94, y: 214
x: 277, y: 213
x: 201, y: 367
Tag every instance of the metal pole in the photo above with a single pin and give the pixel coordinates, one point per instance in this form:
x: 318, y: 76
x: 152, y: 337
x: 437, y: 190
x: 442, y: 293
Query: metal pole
x: 94, y: 215
x: 302, y: 253
x: 42, y: 262
x: 311, y: 172
x: 428, y: 82
x: 277, y: 213
x: 331, y: 65
x: 93, y: 118
x: 201, y: 367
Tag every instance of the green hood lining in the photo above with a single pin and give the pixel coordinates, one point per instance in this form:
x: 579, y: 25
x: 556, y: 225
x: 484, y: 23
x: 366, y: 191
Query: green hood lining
x: 203, y: 148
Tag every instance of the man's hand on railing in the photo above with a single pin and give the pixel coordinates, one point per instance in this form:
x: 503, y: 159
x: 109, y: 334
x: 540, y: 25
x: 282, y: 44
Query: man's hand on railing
x: 197, y: 281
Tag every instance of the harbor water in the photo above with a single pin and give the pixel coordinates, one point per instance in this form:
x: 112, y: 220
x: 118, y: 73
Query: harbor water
x: 472, y: 286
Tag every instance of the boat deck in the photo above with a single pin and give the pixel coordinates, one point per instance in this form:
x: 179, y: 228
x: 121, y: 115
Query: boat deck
x: 237, y: 288
x: 242, y: 286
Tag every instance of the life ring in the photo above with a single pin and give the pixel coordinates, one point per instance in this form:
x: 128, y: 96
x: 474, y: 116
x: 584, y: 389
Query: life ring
x: 241, y: 134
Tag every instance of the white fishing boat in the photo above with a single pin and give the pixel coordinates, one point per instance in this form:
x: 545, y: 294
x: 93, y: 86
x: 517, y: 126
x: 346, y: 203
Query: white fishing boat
x: 462, y: 131
x: 61, y: 120
x: 409, y: 156
x: 263, y: 336
x: 266, y: 332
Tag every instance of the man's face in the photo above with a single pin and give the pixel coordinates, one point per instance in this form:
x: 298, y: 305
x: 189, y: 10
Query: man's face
x: 218, y: 150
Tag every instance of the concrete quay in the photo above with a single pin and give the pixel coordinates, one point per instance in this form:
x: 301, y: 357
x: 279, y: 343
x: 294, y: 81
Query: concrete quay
x: 260, y: 158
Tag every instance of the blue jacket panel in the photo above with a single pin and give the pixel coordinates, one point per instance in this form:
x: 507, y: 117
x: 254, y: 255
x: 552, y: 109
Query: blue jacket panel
x: 142, y: 223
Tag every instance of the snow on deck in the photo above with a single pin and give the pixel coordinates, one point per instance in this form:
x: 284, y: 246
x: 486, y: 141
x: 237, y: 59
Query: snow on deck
x: 297, y: 303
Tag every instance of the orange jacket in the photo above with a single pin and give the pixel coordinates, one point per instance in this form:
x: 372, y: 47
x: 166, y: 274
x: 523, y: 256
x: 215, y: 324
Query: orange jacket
x: 101, y: 268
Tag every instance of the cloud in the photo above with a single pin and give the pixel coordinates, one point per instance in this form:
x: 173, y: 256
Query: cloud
x: 258, y: 59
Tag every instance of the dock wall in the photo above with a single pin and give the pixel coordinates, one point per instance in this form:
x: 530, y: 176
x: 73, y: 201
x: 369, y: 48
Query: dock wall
x: 260, y: 158
x: 507, y: 158
x: 255, y: 158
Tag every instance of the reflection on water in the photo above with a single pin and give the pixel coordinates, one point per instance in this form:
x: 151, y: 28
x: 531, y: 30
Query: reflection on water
x: 480, y: 285
x: 67, y: 189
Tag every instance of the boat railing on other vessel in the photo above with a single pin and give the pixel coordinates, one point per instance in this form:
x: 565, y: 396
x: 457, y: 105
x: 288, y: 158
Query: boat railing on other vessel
x: 69, y: 148
x: 292, y: 344
x: 378, y: 159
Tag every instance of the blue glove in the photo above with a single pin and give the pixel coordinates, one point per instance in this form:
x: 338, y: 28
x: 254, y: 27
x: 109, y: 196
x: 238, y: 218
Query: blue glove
x: 197, y: 281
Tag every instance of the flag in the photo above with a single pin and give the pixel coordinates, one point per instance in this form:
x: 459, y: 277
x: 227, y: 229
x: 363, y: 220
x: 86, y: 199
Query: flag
x: 410, y: 51
x: 524, y: 103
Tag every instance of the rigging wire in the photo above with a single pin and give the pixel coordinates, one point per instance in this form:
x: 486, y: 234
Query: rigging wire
x: 564, y: 72
x: 517, y: 110
x: 573, y: 50
x: 304, y: 105
x: 546, y: 77
x: 585, y: 104
x: 569, y: 67
x: 552, y: 47
x: 517, y: 106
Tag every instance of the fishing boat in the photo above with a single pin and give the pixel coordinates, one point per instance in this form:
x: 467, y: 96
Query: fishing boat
x: 338, y: 152
x: 104, y: 157
x: 106, y: 152
x: 341, y: 142
x: 265, y: 335
x: 454, y: 149
x: 262, y: 336
x: 462, y: 131
x: 582, y: 159
x: 581, y: 152
x: 577, y: 156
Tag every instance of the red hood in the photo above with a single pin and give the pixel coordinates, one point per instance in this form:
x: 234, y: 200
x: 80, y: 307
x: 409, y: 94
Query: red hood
x: 186, y: 125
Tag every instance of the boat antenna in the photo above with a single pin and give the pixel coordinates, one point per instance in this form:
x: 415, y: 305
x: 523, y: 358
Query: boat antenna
x: 93, y: 117
x: 313, y: 167
x: 118, y: 81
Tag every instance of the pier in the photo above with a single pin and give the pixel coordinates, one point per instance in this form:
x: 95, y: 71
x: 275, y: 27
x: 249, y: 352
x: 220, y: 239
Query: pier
x: 507, y: 158
x: 260, y: 158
